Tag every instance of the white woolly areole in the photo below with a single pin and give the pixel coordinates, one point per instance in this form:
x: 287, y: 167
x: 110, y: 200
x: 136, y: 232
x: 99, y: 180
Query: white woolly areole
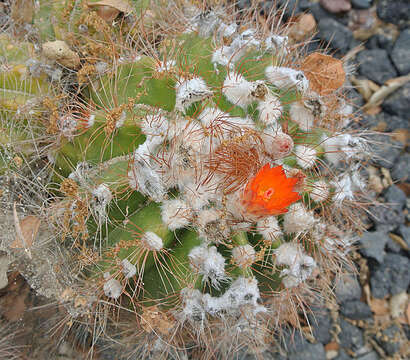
x: 300, y: 265
x: 276, y: 43
x: 301, y: 116
x: 128, y: 269
x: 192, y: 309
x: 210, y: 115
x: 112, y: 288
x: 225, y: 30
x: 305, y: 156
x: 269, y: 228
x: 270, y: 110
x: 343, y: 147
x: 285, y: 78
x: 190, y: 91
x: 345, y: 186
x: 243, y: 291
x: 237, y: 89
x: 297, y: 219
x: 320, y: 191
x: 175, y: 213
x: 102, y: 197
x: 209, y: 263
x: 143, y: 174
x: 151, y: 241
x: 154, y: 125
x: 244, y: 255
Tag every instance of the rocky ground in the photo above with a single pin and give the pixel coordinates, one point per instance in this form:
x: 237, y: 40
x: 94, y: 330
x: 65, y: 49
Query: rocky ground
x: 371, y: 319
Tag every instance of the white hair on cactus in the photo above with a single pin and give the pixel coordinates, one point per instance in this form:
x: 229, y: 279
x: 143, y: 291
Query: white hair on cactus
x: 206, y: 23
x: 301, y: 116
x: 209, y: 263
x: 151, y: 241
x: 211, y: 114
x: 286, y: 78
x: 121, y: 120
x: 320, y: 191
x: 212, y: 226
x: 176, y: 214
x: 270, y: 109
x: 102, y: 197
x: 197, y: 196
x: 192, y: 309
x: 277, y: 144
x: 143, y: 174
x: 244, y: 255
x: 237, y: 89
x: 300, y: 265
x: 165, y: 66
x: 345, y: 186
x: 225, y: 30
x: 191, y: 91
x: 343, y: 147
x: 154, y: 125
x: 243, y: 291
x: 80, y: 174
x: 276, y: 43
x: 269, y: 228
x: 128, y: 269
x: 112, y: 287
x: 297, y: 219
x: 305, y: 156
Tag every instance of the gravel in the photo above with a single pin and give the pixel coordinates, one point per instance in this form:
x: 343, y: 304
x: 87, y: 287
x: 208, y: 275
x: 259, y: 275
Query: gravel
x: 374, y: 65
x: 347, y: 288
x: 391, y: 277
x: 362, y: 4
x: 385, y: 150
x: 309, y: 352
x: 395, y: 12
x: 398, y: 103
x: 396, y: 197
x: 388, y: 340
x: 351, y: 337
x: 355, y: 310
x: 338, y: 36
x: 401, y: 169
x: 372, y: 245
x: 401, y: 53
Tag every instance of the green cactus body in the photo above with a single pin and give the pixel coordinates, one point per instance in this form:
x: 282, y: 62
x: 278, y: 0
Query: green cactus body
x: 202, y: 173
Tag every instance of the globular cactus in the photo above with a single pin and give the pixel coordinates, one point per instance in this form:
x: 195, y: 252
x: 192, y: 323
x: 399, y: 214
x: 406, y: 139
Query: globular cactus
x: 208, y: 187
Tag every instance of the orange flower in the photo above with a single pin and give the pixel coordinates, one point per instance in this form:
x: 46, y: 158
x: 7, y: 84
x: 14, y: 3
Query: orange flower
x: 269, y: 192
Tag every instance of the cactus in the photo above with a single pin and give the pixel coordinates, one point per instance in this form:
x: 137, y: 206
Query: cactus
x: 207, y: 186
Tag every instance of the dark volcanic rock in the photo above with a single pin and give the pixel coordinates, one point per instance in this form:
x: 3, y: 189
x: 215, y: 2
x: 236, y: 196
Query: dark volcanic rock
x: 404, y: 232
x: 401, y: 169
x: 321, y: 323
x: 372, y: 245
x: 355, y: 310
x: 376, y: 66
x: 385, y: 217
x: 339, y: 36
x: 369, y: 356
x: 351, y: 337
x: 386, y: 121
x: 399, y: 102
x: 362, y: 4
x: 401, y: 53
x: 395, y: 197
x: 342, y: 356
x: 385, y: 151
x: 391, y: 277
x: 395, y: 12
x: 347, y: 287
x: 389, y: 340
x: 309, y: 352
